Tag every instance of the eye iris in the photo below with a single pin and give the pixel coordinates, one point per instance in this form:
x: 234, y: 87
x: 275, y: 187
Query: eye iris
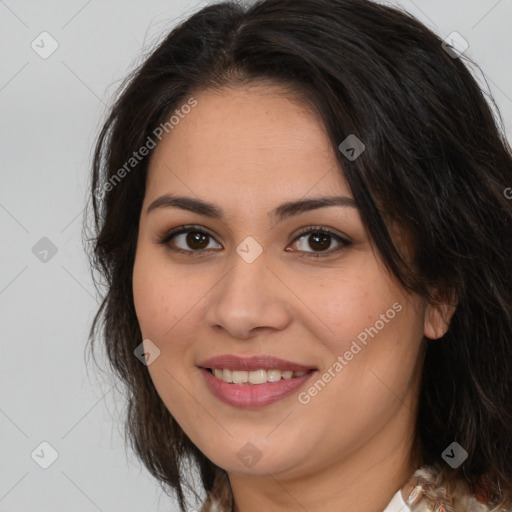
x: 197, y: 240
x: 321, y: 241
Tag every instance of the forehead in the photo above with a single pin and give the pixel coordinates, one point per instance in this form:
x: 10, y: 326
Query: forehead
x: 250, y: 141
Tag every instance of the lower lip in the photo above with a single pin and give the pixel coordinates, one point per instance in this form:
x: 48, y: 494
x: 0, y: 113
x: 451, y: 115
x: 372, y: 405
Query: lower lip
x: 253, y: 395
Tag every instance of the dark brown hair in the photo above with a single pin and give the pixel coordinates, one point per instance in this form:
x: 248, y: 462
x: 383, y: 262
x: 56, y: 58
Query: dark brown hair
x: 436, y: 164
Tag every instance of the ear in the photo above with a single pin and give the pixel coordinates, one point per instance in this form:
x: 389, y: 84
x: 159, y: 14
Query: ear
x: 437, y: 319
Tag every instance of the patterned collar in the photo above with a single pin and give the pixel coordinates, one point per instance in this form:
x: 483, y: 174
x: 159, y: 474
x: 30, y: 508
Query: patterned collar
x: 424, y: 493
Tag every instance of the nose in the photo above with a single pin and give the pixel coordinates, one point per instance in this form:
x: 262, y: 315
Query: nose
x: 249, y: 299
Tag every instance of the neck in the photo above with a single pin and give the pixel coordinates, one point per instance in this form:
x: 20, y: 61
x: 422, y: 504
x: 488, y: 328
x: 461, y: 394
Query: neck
x: 365, y: 480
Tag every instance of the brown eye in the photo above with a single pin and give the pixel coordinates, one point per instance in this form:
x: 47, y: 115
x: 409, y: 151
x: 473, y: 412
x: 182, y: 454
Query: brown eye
x: 320, y: 241
x: 197, y: 240
x: 189, y: 240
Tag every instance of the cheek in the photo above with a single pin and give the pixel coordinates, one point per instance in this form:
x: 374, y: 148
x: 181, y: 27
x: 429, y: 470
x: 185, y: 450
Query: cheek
x: 339, y: 309
x: 374, y: 326
x: 162, y: 296
x: 164, y: 304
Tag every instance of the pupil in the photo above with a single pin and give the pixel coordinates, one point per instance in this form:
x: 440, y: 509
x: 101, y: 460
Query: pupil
x: 321, y: 240
x: 197, y: 240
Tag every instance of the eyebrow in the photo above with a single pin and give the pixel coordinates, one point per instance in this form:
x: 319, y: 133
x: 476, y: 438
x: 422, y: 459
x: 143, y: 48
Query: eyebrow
x: 281, y: 212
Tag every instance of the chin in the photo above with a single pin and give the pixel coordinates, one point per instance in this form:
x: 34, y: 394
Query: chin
x: 247, y: 458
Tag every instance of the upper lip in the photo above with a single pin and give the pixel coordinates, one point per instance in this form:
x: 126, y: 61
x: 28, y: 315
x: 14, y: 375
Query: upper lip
x: 257, y: 362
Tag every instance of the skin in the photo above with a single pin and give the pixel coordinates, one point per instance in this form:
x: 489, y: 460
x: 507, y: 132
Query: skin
x: 249, y: 149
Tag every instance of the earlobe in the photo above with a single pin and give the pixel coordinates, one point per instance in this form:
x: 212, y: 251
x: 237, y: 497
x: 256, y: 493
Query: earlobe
x: 437, y: 320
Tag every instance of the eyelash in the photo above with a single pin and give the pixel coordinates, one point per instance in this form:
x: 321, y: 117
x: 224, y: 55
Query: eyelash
x: 308, y: 230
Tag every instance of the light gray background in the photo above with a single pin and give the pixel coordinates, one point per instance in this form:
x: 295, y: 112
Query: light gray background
x: 51, y: 110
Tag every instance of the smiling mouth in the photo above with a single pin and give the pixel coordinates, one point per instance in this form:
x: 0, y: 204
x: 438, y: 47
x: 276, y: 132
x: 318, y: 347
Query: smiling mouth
x: 255, y: 377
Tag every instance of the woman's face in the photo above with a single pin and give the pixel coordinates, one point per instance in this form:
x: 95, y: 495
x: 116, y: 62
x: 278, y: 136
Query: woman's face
x: 260, y: 279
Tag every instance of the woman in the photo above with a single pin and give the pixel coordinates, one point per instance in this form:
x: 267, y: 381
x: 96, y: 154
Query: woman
x: 301, y: 217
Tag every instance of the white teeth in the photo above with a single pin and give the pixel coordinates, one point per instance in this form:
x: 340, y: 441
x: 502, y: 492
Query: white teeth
x: 239, y: 377
x: 273, y: 375
x: 258, y: 377
x: 255, y: 376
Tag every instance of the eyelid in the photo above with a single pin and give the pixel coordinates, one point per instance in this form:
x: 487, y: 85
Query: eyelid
x: 185, y: 229
x: 323, y: 229
x: 166, y: 238
x: 309, y: 230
